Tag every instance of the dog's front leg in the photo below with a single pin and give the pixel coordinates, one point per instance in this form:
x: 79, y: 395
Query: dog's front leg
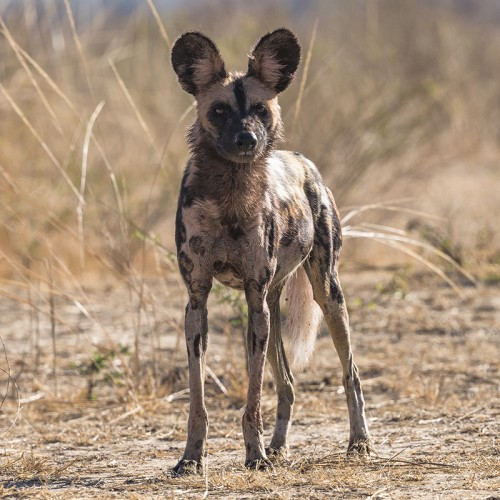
x: 258, y: 336
x: 196, y: 343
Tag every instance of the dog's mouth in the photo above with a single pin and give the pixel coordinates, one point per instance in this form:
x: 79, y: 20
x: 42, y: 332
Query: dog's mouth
x: 245, y: 157
x: 242, y: 157
x: 246, y: 154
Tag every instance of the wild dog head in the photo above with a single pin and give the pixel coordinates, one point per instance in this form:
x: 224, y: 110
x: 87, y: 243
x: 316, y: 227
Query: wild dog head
x: 238, y: 117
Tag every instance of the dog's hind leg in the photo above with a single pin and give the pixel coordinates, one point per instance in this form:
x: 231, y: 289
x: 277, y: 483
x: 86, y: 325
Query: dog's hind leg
x: 283, y: 379
x: 321, y: 268
x: 329, y: 296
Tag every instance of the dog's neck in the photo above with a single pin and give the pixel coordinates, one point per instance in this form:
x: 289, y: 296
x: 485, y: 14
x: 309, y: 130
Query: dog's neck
x: 237, y: 188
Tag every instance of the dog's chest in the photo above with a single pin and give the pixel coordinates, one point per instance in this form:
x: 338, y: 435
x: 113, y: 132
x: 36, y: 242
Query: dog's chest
x: 243, y: 250
x: 246, y: 234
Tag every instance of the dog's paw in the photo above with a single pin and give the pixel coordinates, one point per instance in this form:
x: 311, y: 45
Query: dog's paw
x: 277, y: 454
x: 360, y: 448
x: 187, y: 467
x: 259, y: 464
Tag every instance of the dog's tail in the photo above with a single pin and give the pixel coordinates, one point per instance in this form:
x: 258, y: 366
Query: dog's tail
x: 302, y: 320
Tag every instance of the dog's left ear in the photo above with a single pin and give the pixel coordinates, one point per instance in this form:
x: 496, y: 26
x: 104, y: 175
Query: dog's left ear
x: 275, y: 59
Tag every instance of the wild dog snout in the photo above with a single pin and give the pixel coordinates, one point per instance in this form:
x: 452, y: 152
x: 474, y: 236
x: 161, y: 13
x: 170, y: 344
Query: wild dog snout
x: 245, y: 141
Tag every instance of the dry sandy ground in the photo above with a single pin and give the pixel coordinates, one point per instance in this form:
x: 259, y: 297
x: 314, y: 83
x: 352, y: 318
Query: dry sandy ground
x: 429, y: 361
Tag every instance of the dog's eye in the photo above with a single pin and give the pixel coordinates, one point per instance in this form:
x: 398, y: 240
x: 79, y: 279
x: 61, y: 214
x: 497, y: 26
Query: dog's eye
x: 219, y: 110
x: 261, y: 109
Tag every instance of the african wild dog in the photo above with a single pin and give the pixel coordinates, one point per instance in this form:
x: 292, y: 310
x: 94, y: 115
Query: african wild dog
x: 254, y: 218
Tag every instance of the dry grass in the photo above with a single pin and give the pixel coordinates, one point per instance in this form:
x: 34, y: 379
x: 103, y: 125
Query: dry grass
x: 434, y: 417
x: 394, y: 101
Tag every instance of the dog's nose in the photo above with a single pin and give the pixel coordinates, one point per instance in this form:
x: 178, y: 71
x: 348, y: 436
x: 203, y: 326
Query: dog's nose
x: 245, y: 141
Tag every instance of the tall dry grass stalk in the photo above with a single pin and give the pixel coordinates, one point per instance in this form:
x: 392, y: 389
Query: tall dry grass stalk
x: 83, y: 181
x: 305, y: 73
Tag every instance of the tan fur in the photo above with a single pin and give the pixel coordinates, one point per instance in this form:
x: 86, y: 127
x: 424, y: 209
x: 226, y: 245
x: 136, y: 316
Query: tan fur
x: 205, y: 69
x: 268, y: 67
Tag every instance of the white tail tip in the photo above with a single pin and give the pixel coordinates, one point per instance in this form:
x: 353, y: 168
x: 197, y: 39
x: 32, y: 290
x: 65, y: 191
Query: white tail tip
x: 302, y: 320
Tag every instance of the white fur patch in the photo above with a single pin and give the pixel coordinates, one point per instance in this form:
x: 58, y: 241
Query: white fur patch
x: 303, y: 319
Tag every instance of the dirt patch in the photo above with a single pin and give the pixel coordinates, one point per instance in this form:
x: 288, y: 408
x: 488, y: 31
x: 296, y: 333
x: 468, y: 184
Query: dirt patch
x: 428, y: 361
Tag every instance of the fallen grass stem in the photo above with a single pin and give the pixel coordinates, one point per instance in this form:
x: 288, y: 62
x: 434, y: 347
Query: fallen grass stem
x: 372, y: 463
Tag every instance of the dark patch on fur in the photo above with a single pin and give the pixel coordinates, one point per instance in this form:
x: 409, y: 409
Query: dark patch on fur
x: 251, y: 340
x: 267, y: 278
x: 291, y: 232
x: 263, y: 343
x: 313, y: 196
x: 323, y: 238
x: 270, y: 228
x: 286, y: 240
x: 187, y: 198
x: 252, y: 285
x: 337, y: 234
x: 336, y: 292
x: 186, y: 195
x: 239, y: 94
x: 218, y: 266
x: 186, y: 266
x: 235, y: 231
x: 196, y: 245
x: 197, y: 345
x: 180, y: 230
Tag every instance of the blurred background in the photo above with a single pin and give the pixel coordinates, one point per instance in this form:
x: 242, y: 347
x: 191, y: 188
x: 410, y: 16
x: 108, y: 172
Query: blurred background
x: 397, y: 102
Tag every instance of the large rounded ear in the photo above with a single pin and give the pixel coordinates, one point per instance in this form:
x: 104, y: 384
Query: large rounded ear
x: 197, y: 62
x: 275, y: 59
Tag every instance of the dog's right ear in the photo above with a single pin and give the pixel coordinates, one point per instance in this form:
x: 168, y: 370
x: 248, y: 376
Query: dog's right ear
x: 197, y: 62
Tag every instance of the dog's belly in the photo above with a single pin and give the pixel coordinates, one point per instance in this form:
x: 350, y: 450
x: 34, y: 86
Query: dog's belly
x: 289, y: 257
x: 230, y: 279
